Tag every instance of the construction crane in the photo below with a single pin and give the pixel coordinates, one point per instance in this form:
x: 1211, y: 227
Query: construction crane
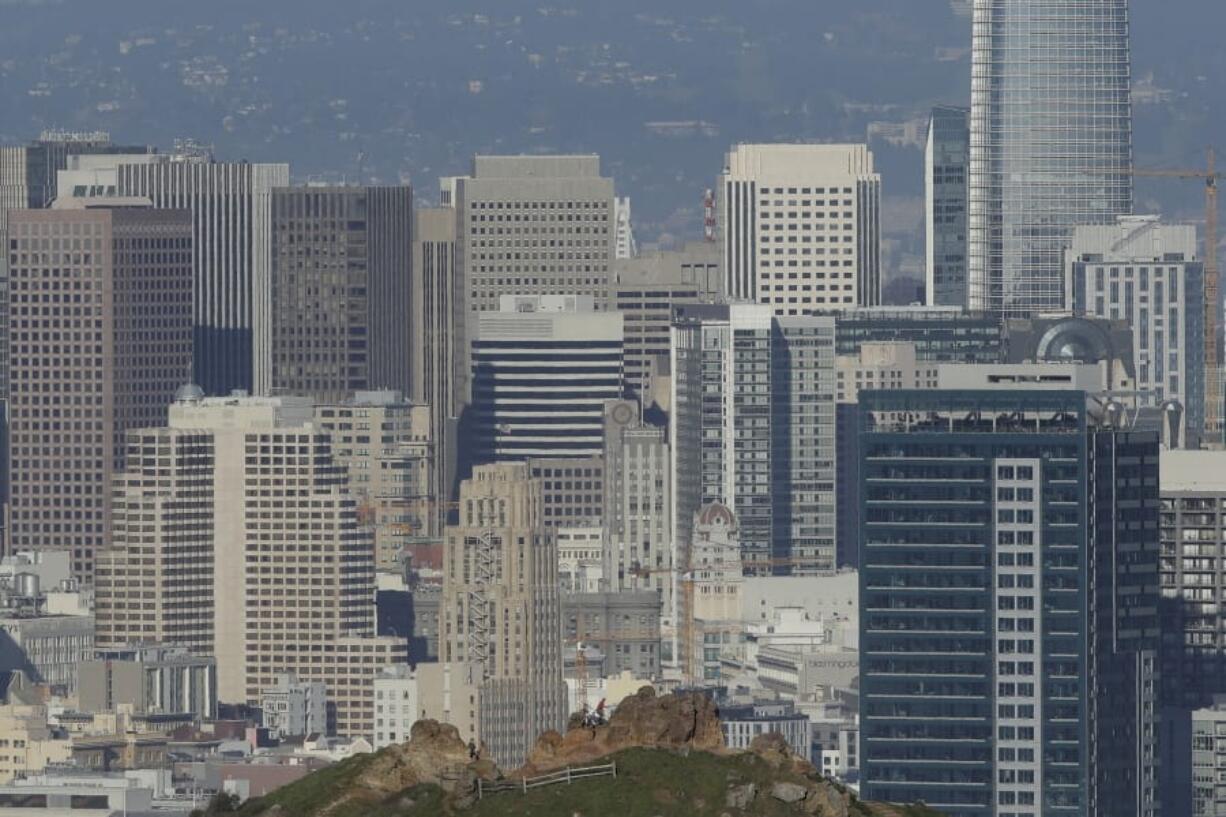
x: 1210, y: 176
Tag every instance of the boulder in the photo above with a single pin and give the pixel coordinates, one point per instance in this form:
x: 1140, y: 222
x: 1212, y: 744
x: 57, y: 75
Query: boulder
x: 434, y: 754
x: 740, y: 797
x: 679, y: 722
x: 788, y: 792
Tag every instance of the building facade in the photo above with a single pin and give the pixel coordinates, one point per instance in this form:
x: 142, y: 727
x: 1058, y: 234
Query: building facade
x: 97, y: 378
x: 501, y: 610
x: 752, y: 427
x: 1008, y: 604
x: 542, y: 369
x: 152, y: 680
x: 800, y: 226
x: 1148, y: 274
x: 231, y: 207
x: 940, y: 334
x: 947, y: 156
x: 1051, y: 143
x: 341, y: 287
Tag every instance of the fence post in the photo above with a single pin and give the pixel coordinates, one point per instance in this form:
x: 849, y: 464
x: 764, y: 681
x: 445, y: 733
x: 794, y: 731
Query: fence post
x: 568, y: 775
x: 525, y: 782
x: 480, y: 791
x: 614, y: 765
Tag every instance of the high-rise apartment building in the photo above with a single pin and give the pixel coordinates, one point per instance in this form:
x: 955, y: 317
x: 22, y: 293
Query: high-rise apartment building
x: 1051, y: 142
x: 947, y: 156
x: 100, y: 300
x: 645, y: 289
x: 533, y: 225
x: 501, y: 609
x: 1008, y: 601
x: 543, y: 368
x: 231, y: 206
x: 439, y: 346
x: 341, y: 263
x: 1208, y: 761
x: 1148, y: 274
x: 387, y: 448
x: 800, y: 226
x: 752, y: 427
x: 248, y: 505
x: 624, y: 245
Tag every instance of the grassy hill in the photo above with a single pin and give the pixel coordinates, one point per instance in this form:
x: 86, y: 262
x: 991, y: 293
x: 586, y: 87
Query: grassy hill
x: 649, y: 782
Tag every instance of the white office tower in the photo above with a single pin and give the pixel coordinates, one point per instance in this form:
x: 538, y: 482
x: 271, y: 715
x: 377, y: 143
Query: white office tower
x: 800, y: 226
x: 1149, y: 275
x: 237, y: 536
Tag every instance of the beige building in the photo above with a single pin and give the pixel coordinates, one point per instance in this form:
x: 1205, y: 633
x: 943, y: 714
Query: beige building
x: 713, y: 592
x: 26, y: 743
x: 291, y: 583
x: 800, y: 226
x: 886, y: 365
x: 501, y: 612
x: 100, y: 302
x: 387, y: 447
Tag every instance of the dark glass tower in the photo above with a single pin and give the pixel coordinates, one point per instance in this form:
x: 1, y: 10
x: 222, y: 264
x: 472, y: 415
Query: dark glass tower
x: 1008, y: 605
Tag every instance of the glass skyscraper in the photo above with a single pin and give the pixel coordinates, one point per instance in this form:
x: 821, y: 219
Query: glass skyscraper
x: 1051, y: 142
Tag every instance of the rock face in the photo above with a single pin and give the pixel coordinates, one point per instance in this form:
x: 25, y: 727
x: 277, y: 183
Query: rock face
x: 687, y: 721
x: 434, y: 754
x: 789, y: 792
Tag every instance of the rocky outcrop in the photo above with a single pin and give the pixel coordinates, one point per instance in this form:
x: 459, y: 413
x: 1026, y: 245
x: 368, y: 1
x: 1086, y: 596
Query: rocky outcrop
x: 434, y: 754
x: 688, y: 721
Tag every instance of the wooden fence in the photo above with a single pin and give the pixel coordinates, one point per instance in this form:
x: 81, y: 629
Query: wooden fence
x: 567, y: 775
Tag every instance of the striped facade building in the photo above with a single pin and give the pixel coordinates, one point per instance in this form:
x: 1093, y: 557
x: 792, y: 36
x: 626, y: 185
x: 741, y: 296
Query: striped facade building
x: 231, y: 205
x: 543, y: 368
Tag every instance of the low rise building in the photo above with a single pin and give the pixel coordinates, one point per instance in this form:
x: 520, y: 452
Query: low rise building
x: 295, y: 708
x: 624, y: 626
x: 150, y: 680
x: 741, y: 724
x: 396, y: 705
x: 27, y: 744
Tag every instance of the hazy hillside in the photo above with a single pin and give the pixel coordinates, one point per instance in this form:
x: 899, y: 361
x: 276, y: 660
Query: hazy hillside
x: 660, y: 90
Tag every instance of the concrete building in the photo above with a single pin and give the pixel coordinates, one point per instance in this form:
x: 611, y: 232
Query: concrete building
x: 1149, y: 275
x: 231, y: 253
x: 1051, y: 147
x: 638, y: 507
x: 753, y: 427
x: 712, y: 592
x: 149, y: 680
x: 46, y: 649
x: 645, y: 289
x: 27, y: 744
x: 96, y: 379
x: 1193, y: 577
x: 987, y: 507
x: 294, y: 708
x: 573, y: 489
x: 267, y: 499
x: 534, y: 225
x: 501, y: 610
x: 741, y: 724
x: 947, y: 156
x: 396, y: 705
x: 800, y: 226
x: 439, y: 344
x: 387, y: 448
x: 1209, y: 761
x: 543, y: 366
x: 623, y: 626
x: 878, y: 365
x: 945, y: 334
x: 581, y: 559
x: 1067, y: 339
x: 341, y: 290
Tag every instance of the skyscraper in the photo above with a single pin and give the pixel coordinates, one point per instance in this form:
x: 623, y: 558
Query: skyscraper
x: 501, y: 605
x: 752, y: 427
x: 946, y: 165
x: 800, y: 226
x: 341, y: 263
x: 239, y: 533
x: 100, y: 299
x: 543, y: 368
x: 1008, y: 601
x: 1051, y: 142
x: 231, y: 205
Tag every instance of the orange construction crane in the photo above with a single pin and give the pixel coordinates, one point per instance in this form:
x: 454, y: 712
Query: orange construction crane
x: 1213, y: 386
